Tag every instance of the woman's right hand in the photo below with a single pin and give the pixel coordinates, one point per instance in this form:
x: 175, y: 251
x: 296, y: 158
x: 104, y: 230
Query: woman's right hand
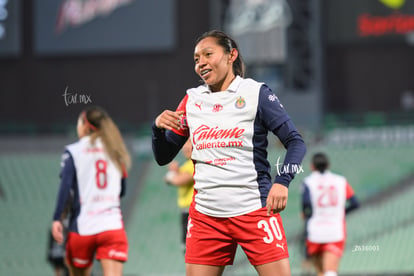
x: 169, y: 119
x: 57, y: 231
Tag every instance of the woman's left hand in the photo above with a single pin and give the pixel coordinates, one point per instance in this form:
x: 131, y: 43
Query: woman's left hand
x: 57, y: 231
x: 277, y: 198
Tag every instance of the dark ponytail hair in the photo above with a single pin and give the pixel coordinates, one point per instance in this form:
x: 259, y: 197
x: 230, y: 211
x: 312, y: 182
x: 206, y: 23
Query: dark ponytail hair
x: 225, y: 41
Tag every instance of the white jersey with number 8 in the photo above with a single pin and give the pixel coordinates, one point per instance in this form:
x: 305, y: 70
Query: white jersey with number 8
x: 99, y: 186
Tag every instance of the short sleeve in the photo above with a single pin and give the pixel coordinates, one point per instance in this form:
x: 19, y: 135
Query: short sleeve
x: 349, y: 191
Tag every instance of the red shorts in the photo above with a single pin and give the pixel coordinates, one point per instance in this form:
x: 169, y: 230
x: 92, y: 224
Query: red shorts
x: 213, y: 241
x: 111, y: 244
x: 316, y: 248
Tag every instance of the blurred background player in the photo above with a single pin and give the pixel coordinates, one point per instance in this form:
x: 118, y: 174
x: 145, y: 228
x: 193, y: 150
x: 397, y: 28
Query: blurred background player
x: 182, y: 177
x: 56, y: 256
x: 55, y: 250
x: 326, y: 198
x: 93, y: 174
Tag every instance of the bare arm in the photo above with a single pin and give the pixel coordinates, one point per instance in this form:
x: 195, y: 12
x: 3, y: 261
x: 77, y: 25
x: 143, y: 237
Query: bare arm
x: 177, y: 178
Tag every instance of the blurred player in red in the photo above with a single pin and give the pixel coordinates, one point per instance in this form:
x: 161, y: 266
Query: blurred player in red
x: 326, y: 198
x: 236, y: 202
x: 93, y: 175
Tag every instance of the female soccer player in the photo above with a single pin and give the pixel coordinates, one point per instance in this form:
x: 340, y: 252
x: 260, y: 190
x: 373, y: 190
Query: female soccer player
x: 324, y: 201
x: 235, y: 201
x: 93, y: 175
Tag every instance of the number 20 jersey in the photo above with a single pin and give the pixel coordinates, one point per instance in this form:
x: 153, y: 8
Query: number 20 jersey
x: 328, y: 193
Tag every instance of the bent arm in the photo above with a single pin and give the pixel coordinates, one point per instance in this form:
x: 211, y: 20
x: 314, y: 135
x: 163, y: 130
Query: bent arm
x: 295, y: 151
x: 179, y: 179
x: 166, y: 144
x: 68, y: 179
x: 306, y: 202
x: 352, y: 204
x: 275, y: 118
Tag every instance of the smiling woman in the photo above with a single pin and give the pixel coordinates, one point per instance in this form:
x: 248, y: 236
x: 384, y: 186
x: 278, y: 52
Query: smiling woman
x: 213, y: 55
x: 235, y: 200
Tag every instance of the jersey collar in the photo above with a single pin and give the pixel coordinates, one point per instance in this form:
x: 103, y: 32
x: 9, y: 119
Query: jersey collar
x: 232, y: 87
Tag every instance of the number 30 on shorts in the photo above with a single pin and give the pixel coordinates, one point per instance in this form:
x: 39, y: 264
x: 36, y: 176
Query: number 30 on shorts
x: 271, y: 228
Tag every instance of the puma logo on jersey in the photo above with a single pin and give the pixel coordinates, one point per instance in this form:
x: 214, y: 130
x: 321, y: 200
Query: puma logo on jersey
x: 273, y: 98
x: 281, y: 245
x: 198, y: 105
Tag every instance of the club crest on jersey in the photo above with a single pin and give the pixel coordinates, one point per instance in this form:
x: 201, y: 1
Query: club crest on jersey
x: 217, y: 108
x: 240, y: 103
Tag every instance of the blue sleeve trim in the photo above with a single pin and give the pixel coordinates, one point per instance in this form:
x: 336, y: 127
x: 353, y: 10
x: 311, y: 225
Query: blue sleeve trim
x: 275, y: 118
x: 166, y: 144
x: 352, y: 204
x: 296, y: 150
x: 123, y: 187
x: 306, y: 202
x: 67, y: 181
x: 272, y: 112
